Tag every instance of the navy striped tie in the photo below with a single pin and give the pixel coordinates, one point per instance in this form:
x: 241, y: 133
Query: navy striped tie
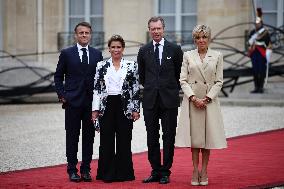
x: 84, y: 57
x: 157, y: 59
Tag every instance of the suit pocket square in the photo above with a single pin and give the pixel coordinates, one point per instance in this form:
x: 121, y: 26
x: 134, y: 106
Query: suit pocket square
x: 168, y: 58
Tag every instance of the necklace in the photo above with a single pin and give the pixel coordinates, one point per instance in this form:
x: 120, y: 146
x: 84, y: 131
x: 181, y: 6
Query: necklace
x: 116, y: 65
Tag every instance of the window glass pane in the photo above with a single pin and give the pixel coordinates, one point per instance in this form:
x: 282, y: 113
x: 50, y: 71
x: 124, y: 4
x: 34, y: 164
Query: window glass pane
x: 73, y: 22
x: 189, y: 6
x: 270, y: 19
x: 98, y: 34
x: 188, y: 22
x: 167, y: 6
x: 170, y: 23
x: 97, y: 24
x: 97, y: 7
x: 266, y: 5
x: 76, y: 7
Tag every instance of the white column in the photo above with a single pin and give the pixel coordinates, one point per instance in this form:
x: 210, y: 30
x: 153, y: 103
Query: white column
x: 254, y: 10
x: 280, y: 13
x: 178, y: 15
x: 87, y: 11
x: 66, y: 15
x: 156, y: 7
x: 39, y: 26
x: 1, y: 25
x: 178, y: 20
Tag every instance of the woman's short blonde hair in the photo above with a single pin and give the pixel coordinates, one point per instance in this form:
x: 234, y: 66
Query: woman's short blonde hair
x: 201, y: 28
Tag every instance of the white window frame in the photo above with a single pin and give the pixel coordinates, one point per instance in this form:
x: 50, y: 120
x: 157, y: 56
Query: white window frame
x: 178, y: 14
x: 279, y: 12
x: 1, y: 25
x: 87, y: 13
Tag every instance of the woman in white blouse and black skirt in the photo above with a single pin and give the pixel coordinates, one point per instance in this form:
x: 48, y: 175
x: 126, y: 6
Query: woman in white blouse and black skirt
x: 116, y: 105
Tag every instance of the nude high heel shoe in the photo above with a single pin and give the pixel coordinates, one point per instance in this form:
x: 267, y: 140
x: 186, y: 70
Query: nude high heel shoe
x: 203, y: 181
x: 195, y: 178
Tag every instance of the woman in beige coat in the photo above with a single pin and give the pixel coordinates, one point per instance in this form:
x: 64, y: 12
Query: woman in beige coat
x: 201, y: 124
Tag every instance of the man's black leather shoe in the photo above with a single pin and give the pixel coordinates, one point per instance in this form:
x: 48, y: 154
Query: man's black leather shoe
x: 152, y: 178
x: 74, y: 177
x: 86, y: 177
x: 164, y: 180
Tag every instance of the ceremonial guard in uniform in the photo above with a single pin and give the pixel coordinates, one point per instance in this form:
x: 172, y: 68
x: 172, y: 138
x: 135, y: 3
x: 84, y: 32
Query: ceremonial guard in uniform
x: 259, y: 50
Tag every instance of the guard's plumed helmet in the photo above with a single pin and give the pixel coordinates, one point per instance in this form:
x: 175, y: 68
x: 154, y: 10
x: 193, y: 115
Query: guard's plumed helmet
x: 258, y: 18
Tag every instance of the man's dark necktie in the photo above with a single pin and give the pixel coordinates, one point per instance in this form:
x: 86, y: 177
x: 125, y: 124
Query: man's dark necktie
x: 84, y: 57
x: 157, y: 59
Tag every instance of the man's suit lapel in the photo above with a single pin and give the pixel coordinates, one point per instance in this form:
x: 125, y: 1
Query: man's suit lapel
x: 91, y: 58
x: 75, y: 54
x: 165, y: 53
x: 76, y: 58
x: 150, y: 52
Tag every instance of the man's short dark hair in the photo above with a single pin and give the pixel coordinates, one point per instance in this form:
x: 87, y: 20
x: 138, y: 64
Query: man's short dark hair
x: 86, y: 24
x: 156, y: 19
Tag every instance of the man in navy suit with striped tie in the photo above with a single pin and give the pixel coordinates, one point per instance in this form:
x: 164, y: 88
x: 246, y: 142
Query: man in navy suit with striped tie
x: 76, y: 67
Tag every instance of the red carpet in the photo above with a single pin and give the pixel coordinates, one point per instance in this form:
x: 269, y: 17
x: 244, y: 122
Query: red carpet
x: 252, y: 161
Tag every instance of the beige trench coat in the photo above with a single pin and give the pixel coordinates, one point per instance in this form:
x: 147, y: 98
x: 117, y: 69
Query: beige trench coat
x: 201, y: 128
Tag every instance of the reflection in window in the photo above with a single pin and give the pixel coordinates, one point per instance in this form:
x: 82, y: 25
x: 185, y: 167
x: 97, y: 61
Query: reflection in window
x: 96, y: 16
x: 271, y: 11
x: 86, y: 10
x: 180, y: 17
x: 167, y: 6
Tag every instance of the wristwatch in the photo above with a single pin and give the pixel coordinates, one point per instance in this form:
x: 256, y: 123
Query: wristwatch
x: 192, y: 98
x: 208, y: 100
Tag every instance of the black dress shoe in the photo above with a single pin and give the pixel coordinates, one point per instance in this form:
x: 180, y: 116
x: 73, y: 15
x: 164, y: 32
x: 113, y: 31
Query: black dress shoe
x: 260, y: 90
x: 254, y: 91
x: 152, y: 178
x: 86, y: 177
x: 74, y: 177
x: 164, y: 180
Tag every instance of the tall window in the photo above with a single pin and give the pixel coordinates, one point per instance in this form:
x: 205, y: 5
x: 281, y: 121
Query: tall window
x: 96, y: 16
x: 1, y: 25
x: 189, y: 18
x: 167, y: 9
x: 84, y: 10
x: 180, y: 17
x: 273, y: 11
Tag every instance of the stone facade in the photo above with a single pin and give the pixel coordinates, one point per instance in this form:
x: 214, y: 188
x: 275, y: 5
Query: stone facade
x: 126, y: 17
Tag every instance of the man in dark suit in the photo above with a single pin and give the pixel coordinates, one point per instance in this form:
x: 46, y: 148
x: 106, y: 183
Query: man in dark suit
x: 159, y: 69
x: 77, y: 66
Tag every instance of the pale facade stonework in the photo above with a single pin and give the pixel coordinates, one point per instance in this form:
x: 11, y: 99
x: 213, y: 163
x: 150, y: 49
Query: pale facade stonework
x: 125, y: 17
x: 220, y: 14
x: 19, y: 25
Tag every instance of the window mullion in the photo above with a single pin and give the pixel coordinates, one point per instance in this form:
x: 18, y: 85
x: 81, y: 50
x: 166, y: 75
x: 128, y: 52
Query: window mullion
x: 87, y: 10
x: 178, y: 15
x: 67, y: 14
x: 156, y: 8
x: 280, y: 13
